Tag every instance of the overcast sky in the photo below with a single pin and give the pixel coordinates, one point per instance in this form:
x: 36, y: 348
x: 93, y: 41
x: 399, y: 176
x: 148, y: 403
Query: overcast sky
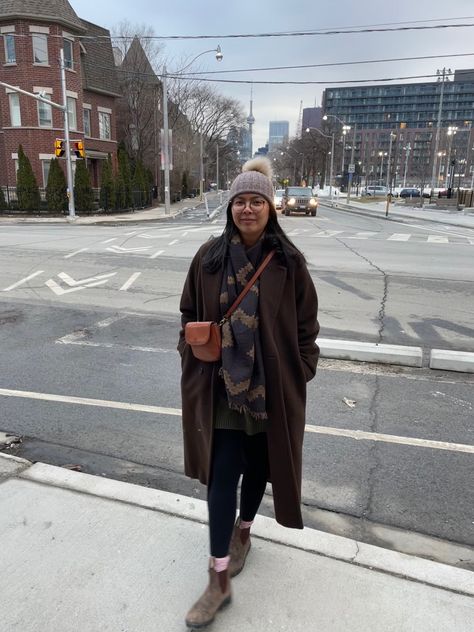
x: 280, y: 102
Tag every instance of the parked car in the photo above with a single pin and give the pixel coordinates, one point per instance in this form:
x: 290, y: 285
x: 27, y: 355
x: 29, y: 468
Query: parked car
x: 277, y: 198
x: 410, y: 192
x: 299, y: 200
x: 375, y: 191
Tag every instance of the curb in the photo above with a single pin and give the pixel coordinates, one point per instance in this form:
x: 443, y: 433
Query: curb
x: 371, y: 352
x: 461, y: 361
x: 392, y: 216
x: 310, y: 540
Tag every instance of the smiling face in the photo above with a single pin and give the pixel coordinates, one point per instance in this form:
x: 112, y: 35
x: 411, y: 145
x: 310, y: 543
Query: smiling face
x: 250, y: 213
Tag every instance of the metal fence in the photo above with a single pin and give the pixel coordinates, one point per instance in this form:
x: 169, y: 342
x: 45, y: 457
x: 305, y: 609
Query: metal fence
x: 140, y: 200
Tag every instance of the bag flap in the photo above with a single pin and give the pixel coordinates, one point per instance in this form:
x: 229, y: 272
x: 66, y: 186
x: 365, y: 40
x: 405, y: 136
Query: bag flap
x: 198, y: 333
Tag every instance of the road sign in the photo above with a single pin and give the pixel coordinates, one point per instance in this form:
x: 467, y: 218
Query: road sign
x: 351, y: 168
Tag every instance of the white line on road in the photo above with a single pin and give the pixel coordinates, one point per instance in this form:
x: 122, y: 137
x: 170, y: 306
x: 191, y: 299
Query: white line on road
x: 388, y: 438
x: 86, y: 401
x: 362, y: 235
x: 437, y: 239
x: 73, y: 254
x: 328, y: 233
x: 157, y: 254
x: 72, y: 282
x: 358, y: 435
x: 21, y: 281
x: 109, y: 241
x: 172, y: 243
x: 130, y: 281
x: 399, y: 237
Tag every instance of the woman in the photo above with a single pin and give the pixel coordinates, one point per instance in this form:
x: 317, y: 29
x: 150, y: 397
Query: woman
x: 245, y: 415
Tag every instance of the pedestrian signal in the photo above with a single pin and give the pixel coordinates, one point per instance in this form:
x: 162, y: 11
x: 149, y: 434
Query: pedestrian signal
x: 59, y: 148
x: 79, y: 149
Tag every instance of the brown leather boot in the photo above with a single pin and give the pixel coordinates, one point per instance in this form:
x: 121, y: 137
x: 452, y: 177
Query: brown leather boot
x: 216, y: 596
x: 239, y: 548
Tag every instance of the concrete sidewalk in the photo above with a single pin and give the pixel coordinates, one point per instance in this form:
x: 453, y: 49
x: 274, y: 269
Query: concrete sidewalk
x: 155, y: 213
x: 81, y: 552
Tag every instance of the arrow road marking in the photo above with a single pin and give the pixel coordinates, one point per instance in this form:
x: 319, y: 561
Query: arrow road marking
x: 58, y: 290
x: 70, y: 281
x: 120, y: 250
x: 32, y: 276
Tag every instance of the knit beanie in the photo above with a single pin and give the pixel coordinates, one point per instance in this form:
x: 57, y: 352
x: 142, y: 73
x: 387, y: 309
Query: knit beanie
x: 256, y: 177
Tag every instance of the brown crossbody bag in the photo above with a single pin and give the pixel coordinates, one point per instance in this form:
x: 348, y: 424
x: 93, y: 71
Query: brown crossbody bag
x: 205, y: 338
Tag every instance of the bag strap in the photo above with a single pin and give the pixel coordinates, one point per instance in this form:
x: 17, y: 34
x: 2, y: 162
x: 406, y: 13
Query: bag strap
x: 246, y: 289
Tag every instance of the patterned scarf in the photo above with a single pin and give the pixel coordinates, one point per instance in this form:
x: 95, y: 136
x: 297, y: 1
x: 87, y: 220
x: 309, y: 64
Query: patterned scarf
x: 242, y: 362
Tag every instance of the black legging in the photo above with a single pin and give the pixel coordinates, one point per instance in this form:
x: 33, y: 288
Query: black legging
x: 235, y: 453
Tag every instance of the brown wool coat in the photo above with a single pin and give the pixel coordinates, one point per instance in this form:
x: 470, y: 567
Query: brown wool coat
x: 288, y: 329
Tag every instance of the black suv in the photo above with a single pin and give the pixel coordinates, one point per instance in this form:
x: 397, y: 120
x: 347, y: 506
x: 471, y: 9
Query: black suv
x: 299, y: 200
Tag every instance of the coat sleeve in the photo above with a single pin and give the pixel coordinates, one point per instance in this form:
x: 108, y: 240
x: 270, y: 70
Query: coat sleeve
x: 307, y: 314
x: 188, y: 303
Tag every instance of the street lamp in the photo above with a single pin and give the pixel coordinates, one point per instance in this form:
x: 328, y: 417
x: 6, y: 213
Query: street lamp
x: 331, y: 136
x: 381, y: 155
x: 345, y: 129
x: 166, y: 131
x: 450, y: 171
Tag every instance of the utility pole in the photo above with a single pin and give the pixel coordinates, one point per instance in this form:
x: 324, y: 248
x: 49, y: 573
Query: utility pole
x: 70, y: 183
x: 166, y: 148
x: 407, y: 154
x: 217, y: 166
x: 438, y: 129
x: 351, y: 166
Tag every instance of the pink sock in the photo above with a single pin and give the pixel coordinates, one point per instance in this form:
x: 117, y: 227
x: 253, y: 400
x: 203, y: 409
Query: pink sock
x: 245, y: 525
x: 221, y: 563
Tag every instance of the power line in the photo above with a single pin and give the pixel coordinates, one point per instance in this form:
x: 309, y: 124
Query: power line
x: 300, y: 33
x: 329, y: 64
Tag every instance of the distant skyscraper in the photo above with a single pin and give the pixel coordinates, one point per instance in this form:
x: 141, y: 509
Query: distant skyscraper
x: 250, y: 122
x: 278, y: 134
x: 312, y: 118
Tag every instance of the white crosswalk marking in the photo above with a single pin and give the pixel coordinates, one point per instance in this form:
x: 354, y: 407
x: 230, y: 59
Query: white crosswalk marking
x: 328, y: 233
x: 399, y: 237
x: 437, y: 239
x: 364, y: 235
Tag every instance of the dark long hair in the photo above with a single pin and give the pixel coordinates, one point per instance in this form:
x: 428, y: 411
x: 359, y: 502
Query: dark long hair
x: 275, y: 238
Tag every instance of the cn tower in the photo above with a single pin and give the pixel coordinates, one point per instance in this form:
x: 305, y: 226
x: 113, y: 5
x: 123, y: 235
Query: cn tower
x: 250, y: 122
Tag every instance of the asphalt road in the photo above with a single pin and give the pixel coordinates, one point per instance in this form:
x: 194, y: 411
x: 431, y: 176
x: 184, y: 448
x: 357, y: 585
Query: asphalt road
x: 96, y: 319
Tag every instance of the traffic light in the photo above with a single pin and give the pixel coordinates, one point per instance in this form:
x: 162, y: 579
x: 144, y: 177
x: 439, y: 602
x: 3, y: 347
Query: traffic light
x: 79, y: 149
x: 59, y: 148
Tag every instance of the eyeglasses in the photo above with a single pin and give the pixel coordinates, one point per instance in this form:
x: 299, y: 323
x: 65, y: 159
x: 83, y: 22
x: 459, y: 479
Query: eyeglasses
x: 256, y: 204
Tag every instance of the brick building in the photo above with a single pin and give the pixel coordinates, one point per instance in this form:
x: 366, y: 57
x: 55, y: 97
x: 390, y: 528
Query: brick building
x: 32, y: 35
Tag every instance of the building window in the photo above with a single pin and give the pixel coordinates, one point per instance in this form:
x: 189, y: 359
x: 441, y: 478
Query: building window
x: 10, y: 53
x: 15, y: 114
x: 45, y: 165
x: 45, y: 113
x: 68, y: 53
x: 71, y: 109
x: 87, y: 122
x: 40, y: 48
x: 104, y: 125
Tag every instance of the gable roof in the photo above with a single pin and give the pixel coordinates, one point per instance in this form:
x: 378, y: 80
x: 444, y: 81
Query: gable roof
x: 56, y: 11
x: 98, y: 64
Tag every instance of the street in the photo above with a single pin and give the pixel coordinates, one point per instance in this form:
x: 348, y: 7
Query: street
x: 89, y: 374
